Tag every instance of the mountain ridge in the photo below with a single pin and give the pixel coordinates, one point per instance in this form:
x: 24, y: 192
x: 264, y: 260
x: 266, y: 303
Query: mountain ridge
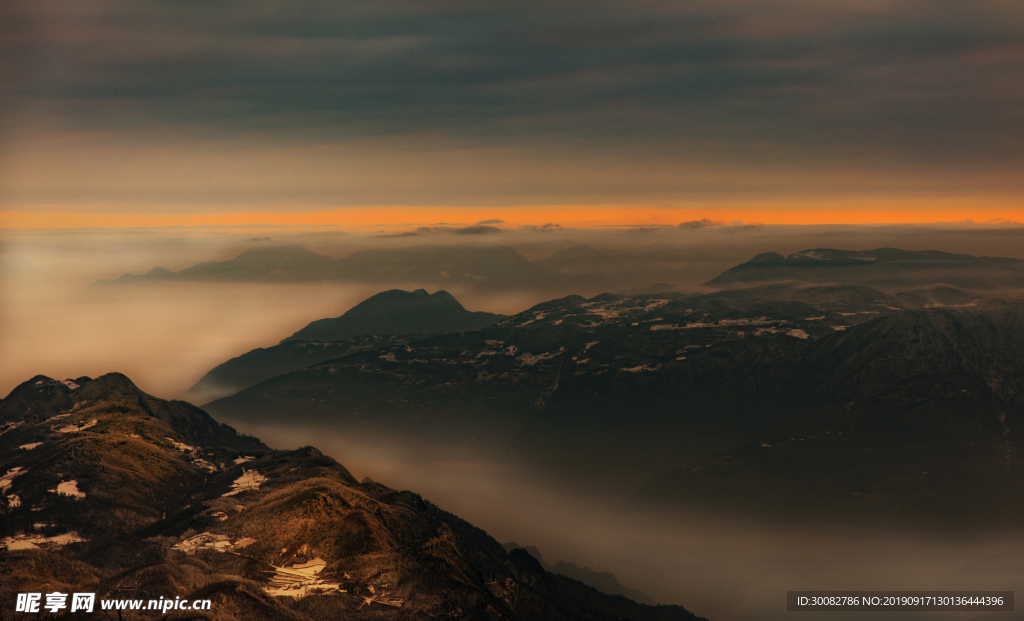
x: 480, y: 267
x: 629, y: 384
x: 385, y: 319
x: 882, y: 267
x: 107, y: 497
x: 398, y: 312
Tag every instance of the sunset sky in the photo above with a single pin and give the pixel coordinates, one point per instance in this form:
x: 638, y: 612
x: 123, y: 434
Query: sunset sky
x: 408, y: 113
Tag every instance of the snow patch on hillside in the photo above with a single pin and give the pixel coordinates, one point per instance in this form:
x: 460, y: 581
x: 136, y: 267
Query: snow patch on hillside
x: 81, y: 426
x: 211, y: 541
x: 33, y: 542
x: 530, y: 359
x: 643, y: 368
x: 300, y: 580
x: 249, y: 481
x: 68, y: 488
x: 205, y: 465
x: 181, y: 446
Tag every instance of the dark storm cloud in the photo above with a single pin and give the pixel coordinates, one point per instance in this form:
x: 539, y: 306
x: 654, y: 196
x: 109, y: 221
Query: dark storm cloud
x: 929, y: 80
x: 703, y: 223
x: 475, y: 229
x: 544, y: 228
x: 734, y: 227
x: 644, y: 230
x: 402, y: 234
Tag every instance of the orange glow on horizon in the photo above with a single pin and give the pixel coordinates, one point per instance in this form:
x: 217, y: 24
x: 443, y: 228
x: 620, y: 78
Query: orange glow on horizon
x: 566, y: 216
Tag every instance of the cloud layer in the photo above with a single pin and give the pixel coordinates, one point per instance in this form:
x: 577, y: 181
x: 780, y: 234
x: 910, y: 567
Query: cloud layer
x: 851, y: 86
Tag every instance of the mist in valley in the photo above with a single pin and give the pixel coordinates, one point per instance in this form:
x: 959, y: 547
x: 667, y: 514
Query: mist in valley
x: 165, y: 336
x: 721, y: 566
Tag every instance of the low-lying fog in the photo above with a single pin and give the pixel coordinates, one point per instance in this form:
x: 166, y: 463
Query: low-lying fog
x: 722, y: 567
x: 166, y: 336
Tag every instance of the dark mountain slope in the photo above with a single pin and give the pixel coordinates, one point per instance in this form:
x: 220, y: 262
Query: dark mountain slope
x: 365, y: 327
x: 708, y: 362
x: 262, y: 363
x: 903, y: 361
x: 918, y: 413
x: 574, y: 373
x: 108, y: 498
x: 623, y: 385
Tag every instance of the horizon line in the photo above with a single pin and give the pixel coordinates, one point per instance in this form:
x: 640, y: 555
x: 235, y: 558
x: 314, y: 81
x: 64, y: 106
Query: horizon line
x: 511, y: 218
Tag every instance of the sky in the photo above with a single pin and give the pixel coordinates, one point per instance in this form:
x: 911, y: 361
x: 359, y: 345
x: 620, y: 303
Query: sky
x: 142, y: 133
x: 157, y: 113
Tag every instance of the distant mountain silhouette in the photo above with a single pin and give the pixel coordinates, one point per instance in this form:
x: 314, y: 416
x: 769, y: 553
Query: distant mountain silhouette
x: 880, y: 268
x: 284, y: 263
x: 124, y: 495
x: 487, y: 267
x: 276, y: 264
x: 370, y: 325
x: 580, y: 268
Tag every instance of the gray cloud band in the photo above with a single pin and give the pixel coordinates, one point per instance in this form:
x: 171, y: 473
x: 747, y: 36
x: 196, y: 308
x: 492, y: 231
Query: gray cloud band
x: 931, y: 73
x: 616, y: 88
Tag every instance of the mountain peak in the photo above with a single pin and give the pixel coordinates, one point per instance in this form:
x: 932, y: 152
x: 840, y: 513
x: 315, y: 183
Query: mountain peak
x: 767, y: 257
x: 38, y: 387
x: 111, y: 384
x: 37, y: 399
x: 397, y: 312
x: 115, y: 378
x: 112, y: 399
x: 373, y: 323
